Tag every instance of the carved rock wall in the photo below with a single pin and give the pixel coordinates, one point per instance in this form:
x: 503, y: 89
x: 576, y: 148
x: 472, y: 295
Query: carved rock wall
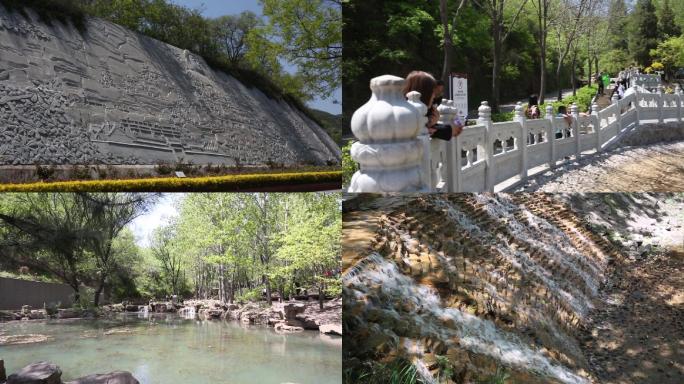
x: 109, y: 95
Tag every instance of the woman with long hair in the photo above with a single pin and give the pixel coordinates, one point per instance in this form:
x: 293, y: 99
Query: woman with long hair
x: 425, y: 84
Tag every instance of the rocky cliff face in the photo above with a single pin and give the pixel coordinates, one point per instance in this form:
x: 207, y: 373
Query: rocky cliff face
x: 109, y: 95
x: 471, y: 284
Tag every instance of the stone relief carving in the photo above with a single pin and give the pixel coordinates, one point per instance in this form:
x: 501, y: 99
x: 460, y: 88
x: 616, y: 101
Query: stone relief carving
x: 108, y: 98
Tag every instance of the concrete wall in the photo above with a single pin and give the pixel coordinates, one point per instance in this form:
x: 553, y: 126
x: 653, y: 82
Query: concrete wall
x: 14, y: 293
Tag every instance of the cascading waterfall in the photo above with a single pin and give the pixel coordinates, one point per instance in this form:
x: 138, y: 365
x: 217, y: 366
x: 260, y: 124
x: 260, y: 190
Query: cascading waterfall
x: 491, y: 275
x: 475, y: 334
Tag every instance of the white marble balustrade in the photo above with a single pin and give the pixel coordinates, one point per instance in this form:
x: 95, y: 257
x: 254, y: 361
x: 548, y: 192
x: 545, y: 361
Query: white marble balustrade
x: 396, y: 154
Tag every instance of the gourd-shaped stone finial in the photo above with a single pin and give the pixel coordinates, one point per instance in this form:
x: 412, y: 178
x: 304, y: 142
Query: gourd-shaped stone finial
x: 614, y: 99
x: 484, y: 113
x: 447, y: 112
x: 678, y: 89
x: 594, y: 108
x: 549, y: 111
x: 519, y: 113
x: 573, y: 109
x: 388, y: 152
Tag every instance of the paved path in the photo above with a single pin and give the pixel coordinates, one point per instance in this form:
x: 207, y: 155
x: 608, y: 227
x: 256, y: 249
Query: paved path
x: 551, y: 96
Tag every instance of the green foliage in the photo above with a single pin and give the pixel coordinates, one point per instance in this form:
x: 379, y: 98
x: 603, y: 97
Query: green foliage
x: 670, y: 53
x: 644, y: 31
x: 502, y: 116
x: 215, y: 183
x: 446, y: 369
x: 618, y: 25
x: 500, y: 377
x: 614, y: 61
x: 45, y: 173
x: 307, y: 33
x: 349, y: 166
x: 398, y: 371
x: 666, y: 21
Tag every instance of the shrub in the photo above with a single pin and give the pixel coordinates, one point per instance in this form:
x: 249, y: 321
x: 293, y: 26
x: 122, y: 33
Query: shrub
x: 79, y: 172
x: 349, y: 166
x: 45, y: 173
x: 249, y: 182
x: 163, y: 169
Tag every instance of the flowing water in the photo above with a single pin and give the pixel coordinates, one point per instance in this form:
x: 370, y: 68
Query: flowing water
x: 503, y: 276
x: 169, y: 349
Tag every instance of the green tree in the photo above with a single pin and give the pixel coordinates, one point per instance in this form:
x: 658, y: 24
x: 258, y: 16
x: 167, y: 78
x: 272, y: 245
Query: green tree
x: 307, y: 33
x: 670, y: 53
x: 666, y: 21
x: 644, y: 36
x: 171, y: 261
x: 618, y: 20
x: 231, y: 32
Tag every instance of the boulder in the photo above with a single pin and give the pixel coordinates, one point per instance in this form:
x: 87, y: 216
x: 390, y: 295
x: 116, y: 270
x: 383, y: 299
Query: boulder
x: 25, y: 309
x: 37, y: 314
x: 282, y: 327
x: 42, y: 372
x: 9, y: 316
x: 118, y: 377
x: 24, y: 339
x: 132, y: 308
x: 291, y: 310
x: 3, y: 374
x: 118, y: 308
x: 308, y: 322
x: 69, y: 313
x: 331, y: 329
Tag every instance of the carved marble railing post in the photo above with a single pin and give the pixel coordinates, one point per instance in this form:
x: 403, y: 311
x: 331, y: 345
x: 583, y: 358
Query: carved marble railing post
x: 636, y: 102
x: 424, y: 139
x: 615, y: 100
x: 597, y: 125
x: 551, y: 135
x: 447, y: 114
x: 574, y: 112
x: 485, y: 118
x: 678, y: 99
x: 519, y: 116
x: 388, y: 152
x: 661, y: 104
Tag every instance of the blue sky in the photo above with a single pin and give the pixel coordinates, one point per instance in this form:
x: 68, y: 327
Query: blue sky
x: 216, y: 8
x: 160, y: 214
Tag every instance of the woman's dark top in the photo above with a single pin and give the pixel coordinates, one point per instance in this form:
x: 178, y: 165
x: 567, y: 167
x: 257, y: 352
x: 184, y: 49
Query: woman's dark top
x: 443, y: 131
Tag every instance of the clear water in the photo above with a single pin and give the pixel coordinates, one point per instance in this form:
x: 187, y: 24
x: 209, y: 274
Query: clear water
x: 168, y: 350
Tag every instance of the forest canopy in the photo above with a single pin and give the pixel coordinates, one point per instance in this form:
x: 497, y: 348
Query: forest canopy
x: 507, y: 48
x: 232, y: 247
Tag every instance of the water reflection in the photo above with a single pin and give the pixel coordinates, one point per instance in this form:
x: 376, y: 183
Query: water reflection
x: 165, y: 348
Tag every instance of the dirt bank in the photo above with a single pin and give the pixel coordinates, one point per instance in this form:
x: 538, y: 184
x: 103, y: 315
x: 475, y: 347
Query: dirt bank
x: 654, y: 168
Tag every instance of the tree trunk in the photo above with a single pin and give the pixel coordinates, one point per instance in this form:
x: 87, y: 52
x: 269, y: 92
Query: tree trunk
x: 320, y: 296
x: 268, y: 289
x: 542, y: 14
x: 448, y: 47
x: 558, y: 80
x: 98, y: 291
x: 496, y: 57
x: 572, y: 74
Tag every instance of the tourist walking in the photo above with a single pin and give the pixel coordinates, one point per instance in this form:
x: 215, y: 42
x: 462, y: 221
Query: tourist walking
x: 599, y: 80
